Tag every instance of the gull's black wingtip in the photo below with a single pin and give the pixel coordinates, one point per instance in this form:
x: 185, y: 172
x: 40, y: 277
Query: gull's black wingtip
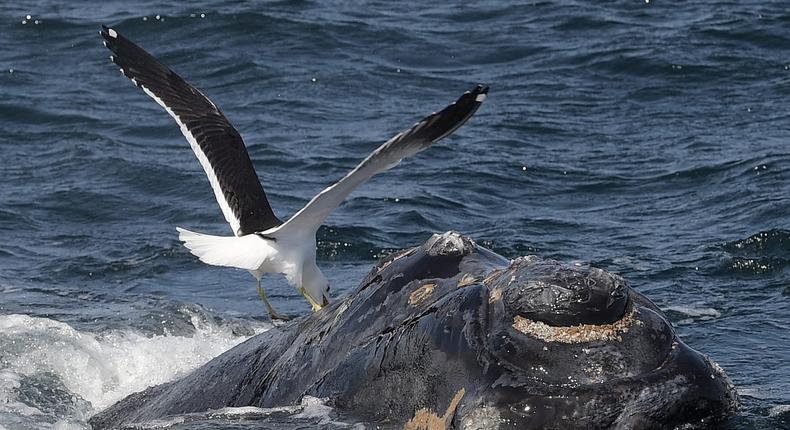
x: 479, y: 92
x: 441, y: 124
x: 473, y: 98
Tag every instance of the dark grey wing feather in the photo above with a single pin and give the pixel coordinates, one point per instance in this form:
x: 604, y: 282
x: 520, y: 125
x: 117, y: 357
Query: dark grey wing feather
x: 432, y: 128
x: 420, y: 136
x: 216, y: 143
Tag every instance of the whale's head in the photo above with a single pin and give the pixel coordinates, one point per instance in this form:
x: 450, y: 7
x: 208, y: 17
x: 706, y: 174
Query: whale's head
x: 576, y: 347
x: 481, y: 341
x: 452, y: 335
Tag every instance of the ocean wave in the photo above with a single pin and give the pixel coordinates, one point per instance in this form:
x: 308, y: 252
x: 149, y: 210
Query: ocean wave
x: 84, y: 372
x: 752, y: 266
x: 762, y: 253
x: 769, y: 243
x: 348, y: 243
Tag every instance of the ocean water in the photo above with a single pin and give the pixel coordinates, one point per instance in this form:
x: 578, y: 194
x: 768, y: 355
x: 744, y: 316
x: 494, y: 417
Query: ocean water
x: 648, y: 138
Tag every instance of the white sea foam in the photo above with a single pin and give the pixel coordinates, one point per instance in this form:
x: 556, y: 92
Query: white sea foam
x: 311, y: 410
x: 99, y: 368
x: 161, y: 424
x: 66, y: 425
x: 317, y: 412
x: 751, y: 392
x: 242, y: 411
x: 233, y: 413
x: 778, y: 410
x: 695, y: 312
x: 314, y: 407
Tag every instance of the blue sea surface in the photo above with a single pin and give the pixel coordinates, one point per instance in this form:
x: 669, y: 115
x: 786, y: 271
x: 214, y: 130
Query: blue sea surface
x: 648, y: 138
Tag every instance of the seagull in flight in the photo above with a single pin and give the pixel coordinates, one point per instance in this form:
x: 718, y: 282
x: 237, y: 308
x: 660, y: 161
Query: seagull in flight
x: 261, y: 242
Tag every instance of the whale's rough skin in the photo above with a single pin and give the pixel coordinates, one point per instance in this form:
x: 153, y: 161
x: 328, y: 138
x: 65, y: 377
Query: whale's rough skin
x: 515, y: 341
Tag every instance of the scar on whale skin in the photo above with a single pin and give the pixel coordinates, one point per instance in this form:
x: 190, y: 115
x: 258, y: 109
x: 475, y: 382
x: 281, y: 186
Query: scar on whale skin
x: 575, y: 334
x: 424, y: 419
x: 421, y: 294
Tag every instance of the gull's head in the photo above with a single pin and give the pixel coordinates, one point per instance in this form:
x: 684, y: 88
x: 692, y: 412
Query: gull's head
x: 315, y: 286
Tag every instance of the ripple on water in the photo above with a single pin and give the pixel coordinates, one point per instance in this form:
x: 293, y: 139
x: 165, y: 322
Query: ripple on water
x: 762, y: 254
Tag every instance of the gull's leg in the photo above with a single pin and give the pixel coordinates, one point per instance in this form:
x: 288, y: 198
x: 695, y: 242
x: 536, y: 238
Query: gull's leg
x: 273, y: 315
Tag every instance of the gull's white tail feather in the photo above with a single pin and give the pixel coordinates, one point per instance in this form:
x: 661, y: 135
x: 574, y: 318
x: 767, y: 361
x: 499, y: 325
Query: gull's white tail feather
x: 245, y: 252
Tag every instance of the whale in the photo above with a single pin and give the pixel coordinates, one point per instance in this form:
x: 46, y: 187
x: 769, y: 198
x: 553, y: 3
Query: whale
x: 450, y: 334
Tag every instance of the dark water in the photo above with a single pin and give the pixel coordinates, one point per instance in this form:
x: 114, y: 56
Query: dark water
x: 650, y: 139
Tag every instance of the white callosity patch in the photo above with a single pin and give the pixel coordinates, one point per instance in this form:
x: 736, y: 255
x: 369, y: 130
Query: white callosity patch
x: 483, y: 417
x: 578, y: 333
x: 480, y: 98
x: 97, y: 368
x: 230, y: 217
x: 449, y: 243
x: 112, y: 33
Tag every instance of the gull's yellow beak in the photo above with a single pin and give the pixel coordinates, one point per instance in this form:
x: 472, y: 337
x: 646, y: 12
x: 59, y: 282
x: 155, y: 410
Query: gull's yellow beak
x: 313, y: 303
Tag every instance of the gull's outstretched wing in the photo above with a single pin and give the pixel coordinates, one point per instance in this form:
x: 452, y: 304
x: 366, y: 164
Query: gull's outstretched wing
x: 420, y: 136
x: 217, y: 145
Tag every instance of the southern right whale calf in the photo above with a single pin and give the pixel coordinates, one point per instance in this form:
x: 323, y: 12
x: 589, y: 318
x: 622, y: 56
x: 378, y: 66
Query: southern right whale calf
x: 452, y: 335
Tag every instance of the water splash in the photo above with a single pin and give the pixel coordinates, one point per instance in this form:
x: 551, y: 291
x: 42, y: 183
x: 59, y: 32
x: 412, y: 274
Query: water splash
x: 47, y: 363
